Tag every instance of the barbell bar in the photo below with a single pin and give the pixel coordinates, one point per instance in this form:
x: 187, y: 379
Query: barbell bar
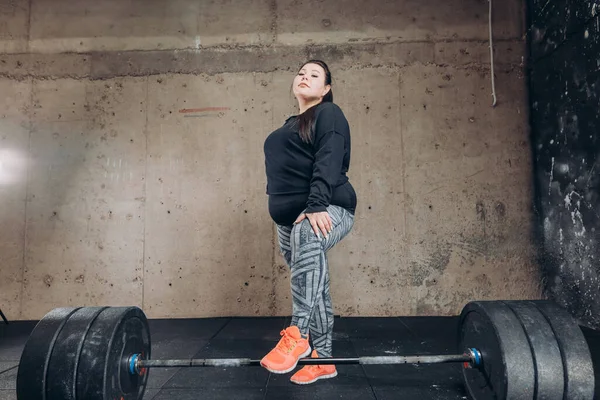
x: 137, y: 364
x: 510, y: 350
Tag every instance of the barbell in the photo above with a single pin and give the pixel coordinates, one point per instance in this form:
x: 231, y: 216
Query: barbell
x: 517, y: 349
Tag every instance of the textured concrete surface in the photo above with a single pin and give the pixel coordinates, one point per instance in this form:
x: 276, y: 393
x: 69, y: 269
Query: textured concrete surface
x: 85, y: 225
x: 49, y: 26
x: 14, y: 26
x: 140, y: 128
x: 147, y: 25
x: 565, y: 92
x: 14, y: 144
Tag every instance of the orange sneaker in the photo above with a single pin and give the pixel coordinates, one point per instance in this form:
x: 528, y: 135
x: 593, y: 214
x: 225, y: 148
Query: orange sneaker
x: 284, y: 357
x: 312, y: 373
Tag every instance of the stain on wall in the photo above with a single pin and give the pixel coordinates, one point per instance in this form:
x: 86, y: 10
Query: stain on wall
x: 565, y: 119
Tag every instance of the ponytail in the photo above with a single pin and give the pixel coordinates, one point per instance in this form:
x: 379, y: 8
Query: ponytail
x: 306, y: 120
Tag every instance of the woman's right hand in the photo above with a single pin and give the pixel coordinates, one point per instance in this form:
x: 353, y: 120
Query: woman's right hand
x: 320, y: 222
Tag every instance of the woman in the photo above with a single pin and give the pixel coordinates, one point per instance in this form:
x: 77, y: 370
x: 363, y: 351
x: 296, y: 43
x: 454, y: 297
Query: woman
x: 313, y: 204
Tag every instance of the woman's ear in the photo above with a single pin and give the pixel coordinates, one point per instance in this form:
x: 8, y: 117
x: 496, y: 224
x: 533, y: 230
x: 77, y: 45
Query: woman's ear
x: 327, y: 89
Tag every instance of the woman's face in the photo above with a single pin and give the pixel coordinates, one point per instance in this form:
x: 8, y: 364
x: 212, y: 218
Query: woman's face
x: 309, y: 83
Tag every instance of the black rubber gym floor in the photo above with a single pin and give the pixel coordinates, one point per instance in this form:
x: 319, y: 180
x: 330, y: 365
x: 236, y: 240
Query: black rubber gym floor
x: 254, y: 337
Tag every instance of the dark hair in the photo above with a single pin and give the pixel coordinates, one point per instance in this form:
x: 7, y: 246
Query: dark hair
x: 306, y: 119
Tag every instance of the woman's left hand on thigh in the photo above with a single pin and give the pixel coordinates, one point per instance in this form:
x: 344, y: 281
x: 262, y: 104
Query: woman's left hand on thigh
x: 320, y: 222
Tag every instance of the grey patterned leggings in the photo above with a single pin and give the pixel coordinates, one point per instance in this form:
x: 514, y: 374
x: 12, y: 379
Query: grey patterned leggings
x: 306, y: 256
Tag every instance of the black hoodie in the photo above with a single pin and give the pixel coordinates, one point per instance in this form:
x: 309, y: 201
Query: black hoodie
x: 309, y: 176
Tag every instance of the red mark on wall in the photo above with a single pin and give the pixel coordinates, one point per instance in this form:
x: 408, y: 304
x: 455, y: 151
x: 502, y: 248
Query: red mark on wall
x: 197, y: 110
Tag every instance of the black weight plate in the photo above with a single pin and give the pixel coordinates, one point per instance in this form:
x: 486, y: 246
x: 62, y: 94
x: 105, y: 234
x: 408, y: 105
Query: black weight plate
x: 33, y: 365
x: 545, y: 351
x: 507, y: 370
x: 116, y: 334
x: 577, y: 360
x: 64, y: 360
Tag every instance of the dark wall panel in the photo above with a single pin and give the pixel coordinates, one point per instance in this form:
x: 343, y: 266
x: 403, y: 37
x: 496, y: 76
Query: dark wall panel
x: 565, y: 120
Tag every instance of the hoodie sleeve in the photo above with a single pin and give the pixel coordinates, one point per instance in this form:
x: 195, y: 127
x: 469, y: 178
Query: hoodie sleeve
x: 329, y: 150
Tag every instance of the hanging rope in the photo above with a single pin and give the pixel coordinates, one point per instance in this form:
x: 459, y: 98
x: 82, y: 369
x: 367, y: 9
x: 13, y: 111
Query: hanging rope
x: 492, y: 56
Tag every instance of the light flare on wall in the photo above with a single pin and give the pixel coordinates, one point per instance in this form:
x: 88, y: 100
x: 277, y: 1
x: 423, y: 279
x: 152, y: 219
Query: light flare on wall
x: 13, y: 166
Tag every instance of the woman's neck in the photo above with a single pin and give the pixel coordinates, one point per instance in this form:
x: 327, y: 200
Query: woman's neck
x: 305, y: 105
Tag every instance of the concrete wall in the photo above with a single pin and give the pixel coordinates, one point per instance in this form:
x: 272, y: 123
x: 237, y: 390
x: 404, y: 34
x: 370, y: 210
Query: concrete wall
x: 132, y: 135
x: 565, y: 93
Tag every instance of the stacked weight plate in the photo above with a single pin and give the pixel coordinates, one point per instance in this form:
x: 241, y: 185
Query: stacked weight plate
x: 81, y: 353
x: 530, y: 350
